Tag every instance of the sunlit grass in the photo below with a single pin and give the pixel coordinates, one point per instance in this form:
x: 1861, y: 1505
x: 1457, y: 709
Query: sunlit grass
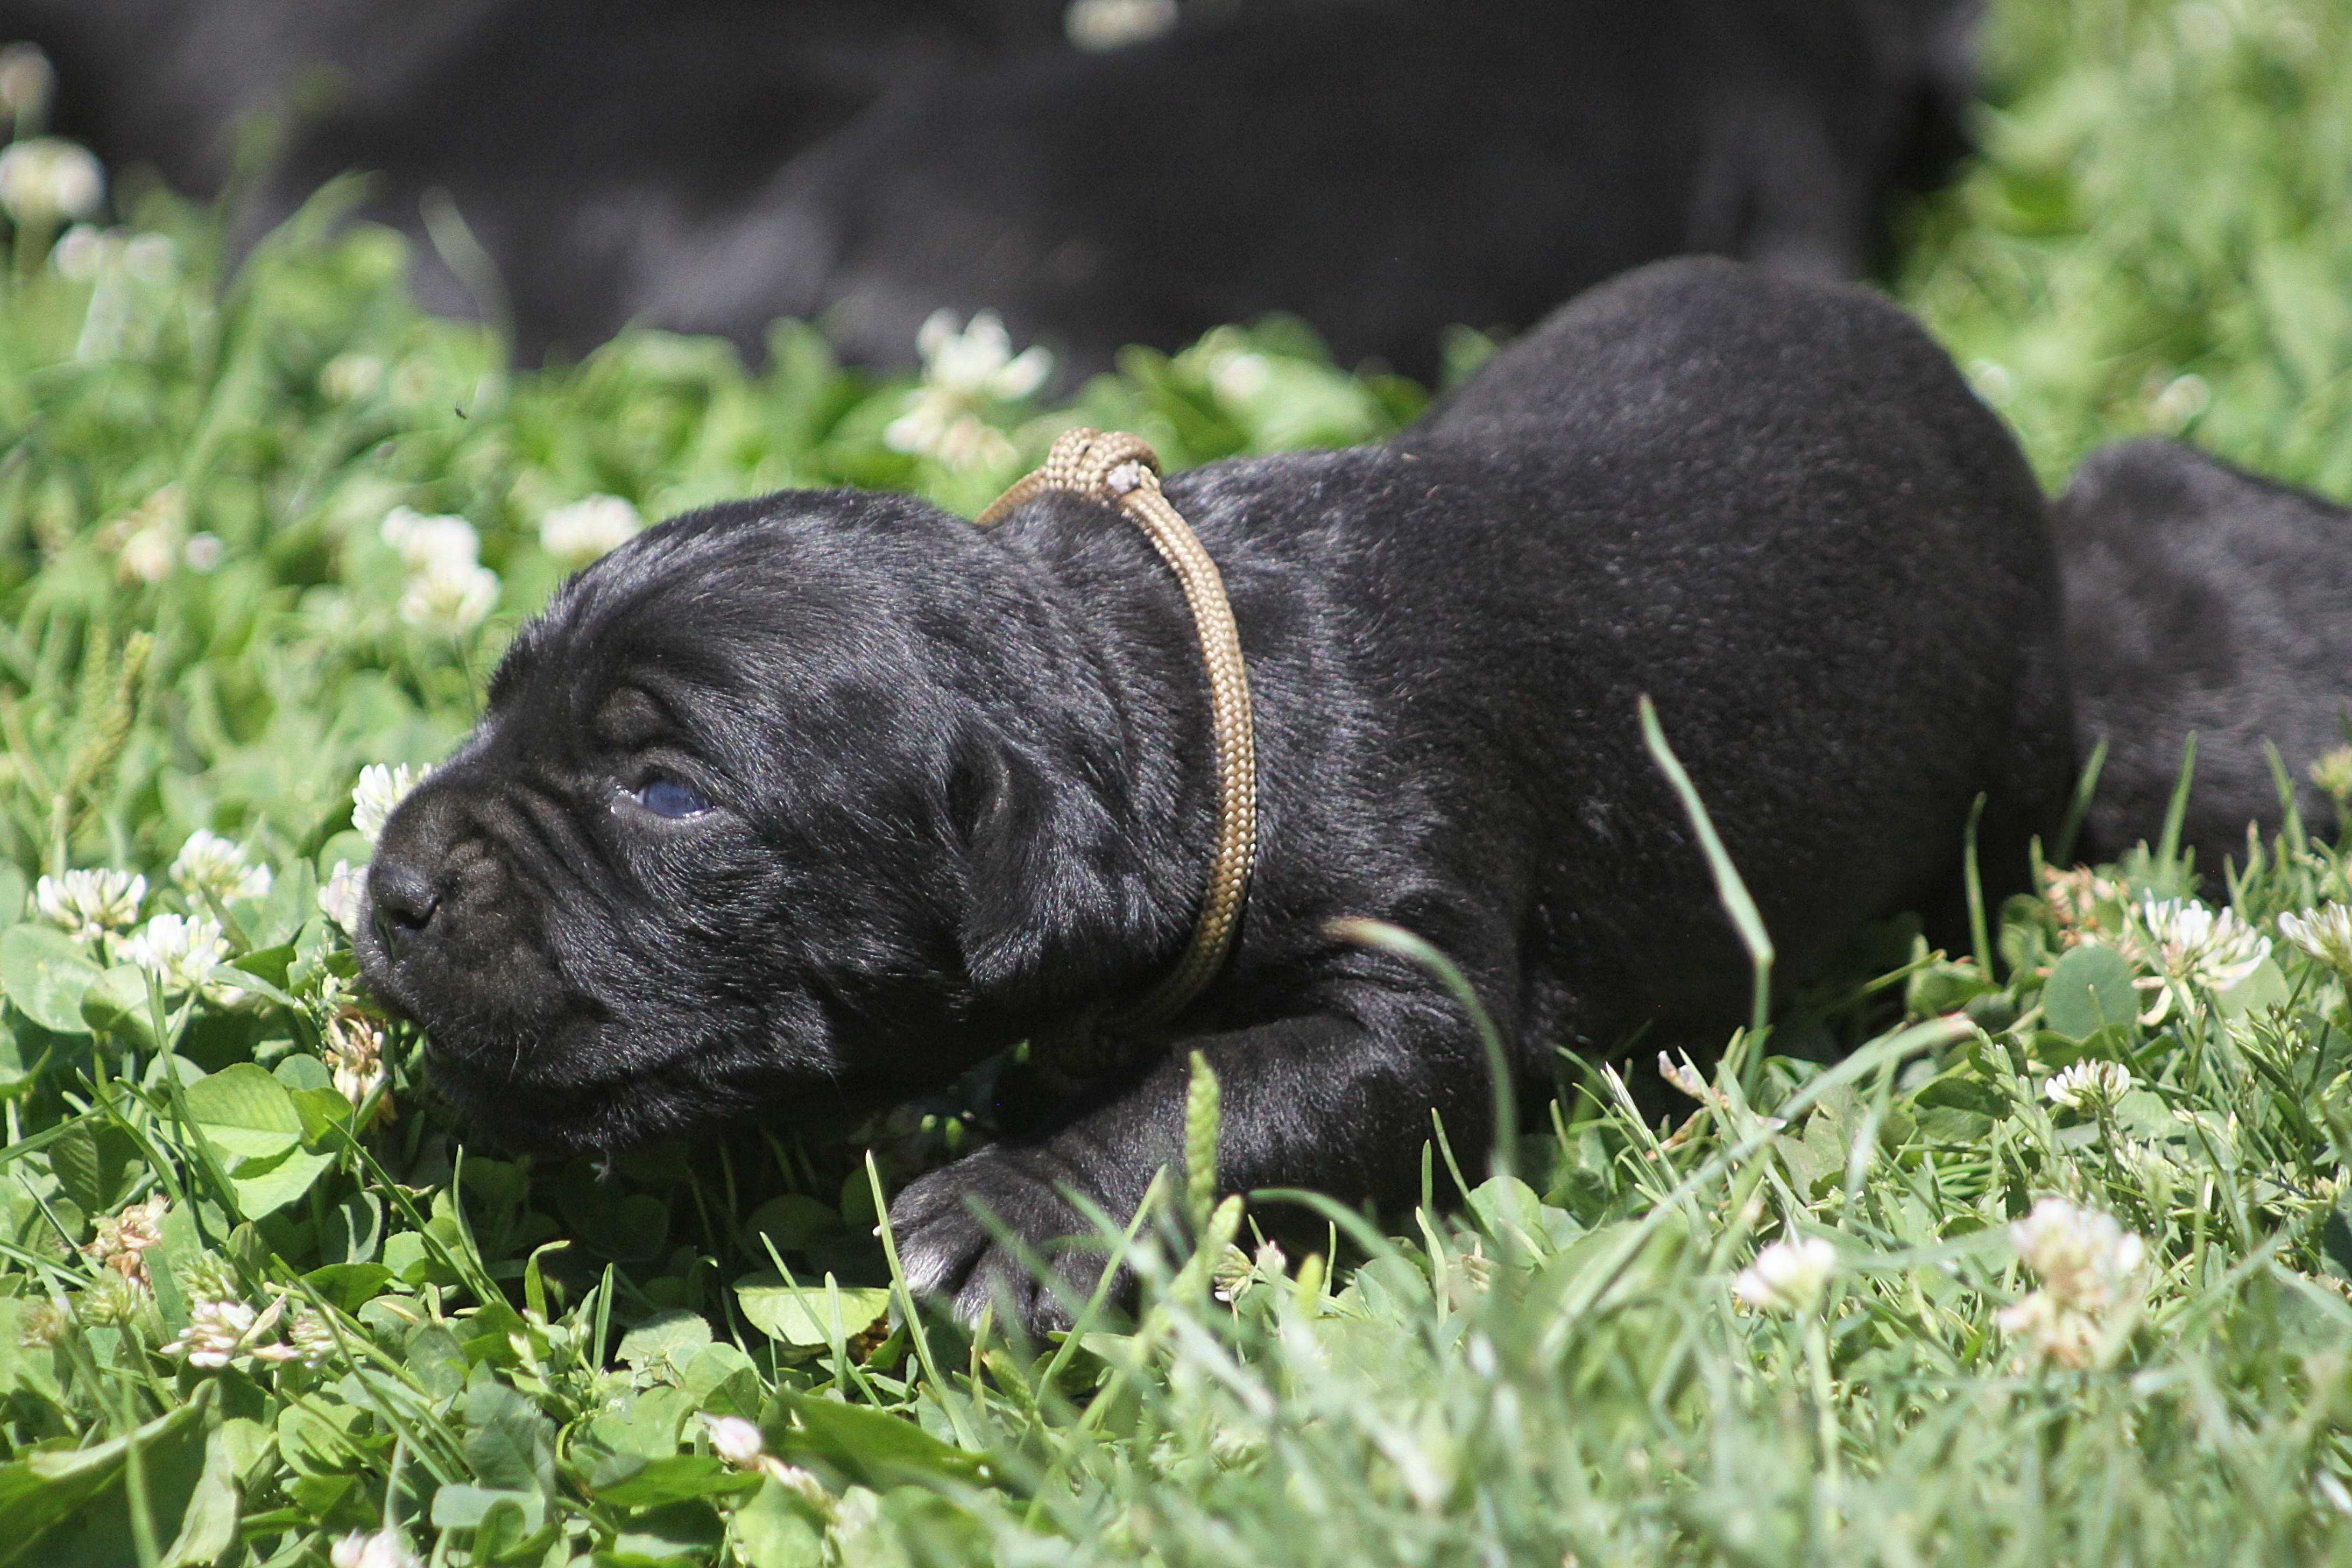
x: 256, y: 1301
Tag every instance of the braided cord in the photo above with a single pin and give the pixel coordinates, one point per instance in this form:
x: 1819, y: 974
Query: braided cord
x: 1122, y: 470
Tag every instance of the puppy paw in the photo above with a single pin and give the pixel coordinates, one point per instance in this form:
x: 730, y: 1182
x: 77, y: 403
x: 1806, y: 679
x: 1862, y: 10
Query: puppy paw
x: 953, y: 1258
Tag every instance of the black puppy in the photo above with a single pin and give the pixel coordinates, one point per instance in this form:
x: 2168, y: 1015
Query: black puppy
x: 798, y: 805
x: 2201, y: 598
x: 1384, y: 168
x: 583, y: 144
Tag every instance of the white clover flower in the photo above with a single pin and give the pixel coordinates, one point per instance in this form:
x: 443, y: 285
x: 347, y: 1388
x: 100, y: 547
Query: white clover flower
x: 350, y: 378
x: 380, y: 789
x: 112, y: 1300
x: 89, y: 905
x: 202, y: 552
x: 1239, y: 377
x: 2075, y: 897
x: 735, y: 1440
x: 2192, y: 949
x: 2091, y: 1279
x: 149, y: 555
x: 740, y: 1443
x: 1787, y: 1275
x: 377, y: 1549
x: 2182, y: 399
x: 210, y: 863
x: 312, y: 1340
x: 45, y: 178
x: 2053, y: 1330
x: 2089, y: 1085
x: 26, y: 80
x: 123, y: 1239
x: 146, y: 539
x: 186, y: 953
x: 965, y: 371
x: 343, y: 896
x: 448, y: 599
x: 933, y: 427
x: 585, y: 530
x: 1097, y: 26
x: 2325, y: 932
x: 1236, y: 1273
x: 442, y: 540
x: 978, y: 360
x: 2081, y: 1253
x: 355, y: 1055
x: 219, y: 1332
x: 1993, y: 381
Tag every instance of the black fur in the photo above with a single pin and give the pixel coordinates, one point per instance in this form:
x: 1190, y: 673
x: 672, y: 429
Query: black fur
x: 2201, y: 598
x: 1386, y: 168
x: 962, y: 778
x: 586, y: 142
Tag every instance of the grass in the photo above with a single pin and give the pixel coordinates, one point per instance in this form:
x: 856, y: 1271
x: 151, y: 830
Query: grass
x: 1609, y: 1358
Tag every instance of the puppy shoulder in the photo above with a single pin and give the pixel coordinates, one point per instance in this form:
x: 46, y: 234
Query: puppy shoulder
x: 1691, y: 341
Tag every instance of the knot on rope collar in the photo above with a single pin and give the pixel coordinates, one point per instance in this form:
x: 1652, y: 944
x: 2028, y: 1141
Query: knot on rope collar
x: 1120, y: 471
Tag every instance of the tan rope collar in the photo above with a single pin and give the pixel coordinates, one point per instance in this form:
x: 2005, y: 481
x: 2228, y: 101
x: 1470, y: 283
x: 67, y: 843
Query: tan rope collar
x: 1122, y: 471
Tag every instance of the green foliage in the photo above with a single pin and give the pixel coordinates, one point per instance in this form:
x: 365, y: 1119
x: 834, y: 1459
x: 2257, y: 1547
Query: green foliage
x: 257, y: 1297
x: 2157, y: 242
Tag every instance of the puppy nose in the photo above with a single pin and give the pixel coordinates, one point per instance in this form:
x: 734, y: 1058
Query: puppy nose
x: 402, y: 898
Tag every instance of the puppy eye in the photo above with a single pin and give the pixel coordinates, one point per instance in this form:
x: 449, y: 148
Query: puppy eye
x: 673, y: 798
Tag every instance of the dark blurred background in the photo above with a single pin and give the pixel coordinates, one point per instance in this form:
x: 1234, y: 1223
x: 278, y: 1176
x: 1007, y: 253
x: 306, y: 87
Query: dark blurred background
x: 1099, y: 172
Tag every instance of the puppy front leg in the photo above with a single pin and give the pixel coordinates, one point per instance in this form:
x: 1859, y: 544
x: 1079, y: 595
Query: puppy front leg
x: 1327, y: 1100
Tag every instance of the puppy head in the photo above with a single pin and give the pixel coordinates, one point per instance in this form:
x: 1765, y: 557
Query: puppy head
x: 735, y: 834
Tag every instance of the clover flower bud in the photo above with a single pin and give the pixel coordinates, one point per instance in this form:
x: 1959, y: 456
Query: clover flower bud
x: 1788, y: 1277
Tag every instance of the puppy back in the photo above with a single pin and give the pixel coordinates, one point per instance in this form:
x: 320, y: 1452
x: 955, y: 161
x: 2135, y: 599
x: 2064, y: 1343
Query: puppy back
x: 2201, y: 598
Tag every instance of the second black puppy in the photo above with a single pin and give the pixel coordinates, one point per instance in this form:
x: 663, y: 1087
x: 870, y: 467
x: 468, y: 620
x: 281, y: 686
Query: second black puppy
x: 1383, y: 168
x: 799, y: 804
x: 2202, y: 600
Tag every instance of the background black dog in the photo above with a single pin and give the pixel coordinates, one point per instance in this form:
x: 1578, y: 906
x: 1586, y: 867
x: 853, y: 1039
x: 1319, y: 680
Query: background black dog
x: 801, y: 803
x: 2201, y: 598
x: 1386, y: 168
x: 582, y: 142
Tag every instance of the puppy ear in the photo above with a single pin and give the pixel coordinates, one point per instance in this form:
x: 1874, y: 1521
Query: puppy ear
x: 1043, y: 870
